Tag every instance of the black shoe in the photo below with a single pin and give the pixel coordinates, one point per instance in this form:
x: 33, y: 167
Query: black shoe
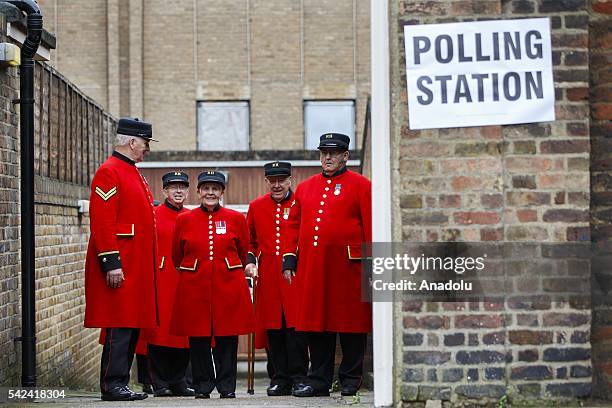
x: 182, y: 391
x: 228, y: 395
x: 122, y: 393
x: 163, y: 392
x: 277, y: 390
x: 202, y: 396
x: 348, y: 391
x: 304, y: 390
x: 147, y: 389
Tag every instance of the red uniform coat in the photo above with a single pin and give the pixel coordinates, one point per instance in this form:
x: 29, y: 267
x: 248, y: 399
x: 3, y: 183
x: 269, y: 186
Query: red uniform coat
x: 165, y: 216
x: 212, y: 296
x: 266, y: 220
x: 122, y: 236
x: 330, y: 219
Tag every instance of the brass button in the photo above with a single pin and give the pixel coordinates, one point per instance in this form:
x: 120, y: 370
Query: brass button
x: 315, y: 243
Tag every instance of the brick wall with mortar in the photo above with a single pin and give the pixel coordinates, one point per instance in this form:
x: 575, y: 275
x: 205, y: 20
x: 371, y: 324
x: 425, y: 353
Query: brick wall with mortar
x: 72, y: 136
x: 601, y: 181
x: 273, y: 53
x: 10, y: 294
x: 527, y: 183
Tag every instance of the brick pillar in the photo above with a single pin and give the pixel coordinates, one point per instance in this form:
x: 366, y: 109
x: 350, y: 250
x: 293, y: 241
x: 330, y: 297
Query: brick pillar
x: 526, y: 183
x: 601, y: 195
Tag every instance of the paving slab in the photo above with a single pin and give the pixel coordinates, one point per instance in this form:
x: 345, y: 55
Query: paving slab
x: 77, y: 399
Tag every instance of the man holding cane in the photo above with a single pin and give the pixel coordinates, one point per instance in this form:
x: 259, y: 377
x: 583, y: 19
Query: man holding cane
x: 276, y: 302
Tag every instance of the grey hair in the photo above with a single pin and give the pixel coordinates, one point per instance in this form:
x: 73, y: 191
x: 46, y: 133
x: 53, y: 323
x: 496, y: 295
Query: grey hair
x: 122, y: 140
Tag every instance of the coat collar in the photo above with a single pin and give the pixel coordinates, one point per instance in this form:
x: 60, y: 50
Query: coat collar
x: 203, y: 208
x: 170, y: 206
x: 287, y: 197
x: 123, y: 158
x: 339, y: 172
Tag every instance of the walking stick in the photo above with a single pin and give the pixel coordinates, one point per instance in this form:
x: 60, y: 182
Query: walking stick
x: 251, y: 350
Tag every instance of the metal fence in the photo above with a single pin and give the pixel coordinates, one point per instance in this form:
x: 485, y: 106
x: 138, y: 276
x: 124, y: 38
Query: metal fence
x: 73, y: 134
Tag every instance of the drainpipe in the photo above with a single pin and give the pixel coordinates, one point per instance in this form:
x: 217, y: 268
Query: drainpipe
x: 26, y: 123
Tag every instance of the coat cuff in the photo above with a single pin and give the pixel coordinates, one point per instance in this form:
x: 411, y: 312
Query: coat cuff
x: 251, y: 258
x: 109, y: 261
x: 289, y: 261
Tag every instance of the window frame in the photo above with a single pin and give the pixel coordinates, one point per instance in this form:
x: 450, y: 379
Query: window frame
x: 225, y: 101
x: 339, y: 102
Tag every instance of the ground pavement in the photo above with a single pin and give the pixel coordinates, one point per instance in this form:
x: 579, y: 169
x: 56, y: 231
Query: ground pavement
x: 75, y: 399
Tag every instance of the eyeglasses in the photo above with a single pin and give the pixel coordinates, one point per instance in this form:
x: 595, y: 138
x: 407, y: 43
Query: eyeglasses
x: 177, y: 187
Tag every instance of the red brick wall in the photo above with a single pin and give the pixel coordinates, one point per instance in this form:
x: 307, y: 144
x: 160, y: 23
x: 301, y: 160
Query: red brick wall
x: 601, y: 182
x: 527, y: 183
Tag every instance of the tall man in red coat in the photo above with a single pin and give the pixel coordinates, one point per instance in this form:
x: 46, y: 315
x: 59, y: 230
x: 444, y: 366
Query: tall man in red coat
x: 329, y: 221
x: 120, y: 270
x: 168, y: 354
x: 276, y: 303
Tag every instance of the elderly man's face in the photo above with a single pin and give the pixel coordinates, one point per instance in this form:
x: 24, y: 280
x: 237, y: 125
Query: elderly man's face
x: 176, y: 194
x: 210, y: 194
x: 333, y: 160
x: 278, y: 186
x: 139, y: 148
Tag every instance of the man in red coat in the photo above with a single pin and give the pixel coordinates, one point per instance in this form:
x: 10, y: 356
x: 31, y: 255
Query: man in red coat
x: 209, y: 248
x: 168, y: 354
x: 276, y: 299
x: 329, y: 221
x: 120, y: 270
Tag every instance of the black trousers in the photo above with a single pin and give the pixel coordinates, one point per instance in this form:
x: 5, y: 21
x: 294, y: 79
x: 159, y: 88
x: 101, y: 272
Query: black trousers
x: 322, y: 348
x: 142, y: 364
x: 269, y: 366
x: 117, y: 357
x: 288, y: 353
x: 168, y: 366
x: 222, y: 374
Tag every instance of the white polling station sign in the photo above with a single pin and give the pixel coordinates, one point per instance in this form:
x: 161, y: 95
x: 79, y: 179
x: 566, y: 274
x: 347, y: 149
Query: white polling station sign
x: 479, y: 73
